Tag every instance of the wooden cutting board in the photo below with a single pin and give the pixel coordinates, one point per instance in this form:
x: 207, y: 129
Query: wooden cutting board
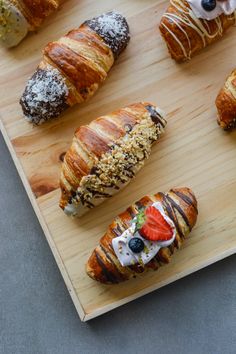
x: 194, y: 151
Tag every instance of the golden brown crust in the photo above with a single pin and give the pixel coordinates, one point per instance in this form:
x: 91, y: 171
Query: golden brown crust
x: 101, y: 141
x: 75, y: 67
x: 88, y: 143
x: 36, y: 11
x: 83, y: 59
x: 226, y: 103
x: 86, y: 35
x: 185, y: 35
x: 179, y: 204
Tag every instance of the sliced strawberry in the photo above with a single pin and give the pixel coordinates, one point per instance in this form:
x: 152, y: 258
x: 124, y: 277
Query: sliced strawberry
x: 155, y: 227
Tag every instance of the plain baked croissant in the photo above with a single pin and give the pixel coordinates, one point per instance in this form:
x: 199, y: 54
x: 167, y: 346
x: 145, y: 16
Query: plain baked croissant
x: 106, y: 154
x: 74, y: 67
x: 18, y: 17
x: 179, y: 204
x: 185, y: 34
x: 226, y: 103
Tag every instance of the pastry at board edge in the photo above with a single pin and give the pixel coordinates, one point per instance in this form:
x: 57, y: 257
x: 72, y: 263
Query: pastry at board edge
x: 226, y: 103
x: 144, y: 237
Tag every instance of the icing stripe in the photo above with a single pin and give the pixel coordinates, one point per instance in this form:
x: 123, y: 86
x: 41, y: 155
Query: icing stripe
x: 109, y: 276
x: 177, y: 40
x: 186, y: 199
x: 184, y: 16
x: 175, y: 206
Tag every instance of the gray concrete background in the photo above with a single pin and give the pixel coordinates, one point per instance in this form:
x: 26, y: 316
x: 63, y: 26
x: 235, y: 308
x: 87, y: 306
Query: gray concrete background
x: 195, y: 315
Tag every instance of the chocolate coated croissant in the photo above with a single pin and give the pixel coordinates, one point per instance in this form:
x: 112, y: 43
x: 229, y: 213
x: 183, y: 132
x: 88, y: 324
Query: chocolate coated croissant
x: 179, y: 204
x: 226, y: 103
x: 185, y: 34
x: 107, y: 154
x: 74, y: 67
x: 18, y: 17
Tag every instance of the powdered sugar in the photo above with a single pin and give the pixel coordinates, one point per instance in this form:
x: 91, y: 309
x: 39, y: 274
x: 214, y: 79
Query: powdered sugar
x: 113, y: 28
x: 46, y: 93
x: 44, y: 96
x: 110, y: 23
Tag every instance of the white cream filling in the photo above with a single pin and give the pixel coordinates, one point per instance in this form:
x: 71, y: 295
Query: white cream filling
x: 71, y: 210
x: 111, y: 167
x: 121, y: 243
x: 13, y: 25
x: 226, y: 7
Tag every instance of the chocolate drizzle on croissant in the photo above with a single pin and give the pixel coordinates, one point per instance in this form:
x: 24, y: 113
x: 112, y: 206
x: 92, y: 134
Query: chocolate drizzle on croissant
x: 107, y: 154
x: 80, y: 60
x: 179, y: 204
x: 185, y: 34
x: 226, y: 103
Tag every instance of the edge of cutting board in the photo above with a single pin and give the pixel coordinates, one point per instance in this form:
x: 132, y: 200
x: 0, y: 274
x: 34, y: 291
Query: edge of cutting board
x: 88, y: 316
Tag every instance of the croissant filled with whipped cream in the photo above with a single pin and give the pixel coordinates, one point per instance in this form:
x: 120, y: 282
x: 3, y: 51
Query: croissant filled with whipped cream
x: 107, y: 154
x: 144, y: 237
x: 18, y: 17
x: 226, y: 103
x: 189, y: 26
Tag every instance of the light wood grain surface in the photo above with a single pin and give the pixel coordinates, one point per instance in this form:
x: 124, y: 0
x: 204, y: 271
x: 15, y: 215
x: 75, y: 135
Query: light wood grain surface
x: 194, y: 151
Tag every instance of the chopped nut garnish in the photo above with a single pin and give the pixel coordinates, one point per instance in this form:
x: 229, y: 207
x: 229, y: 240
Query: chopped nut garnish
x: 120, y: 164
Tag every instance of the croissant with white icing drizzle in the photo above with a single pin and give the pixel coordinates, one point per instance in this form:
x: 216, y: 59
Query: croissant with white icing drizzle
x: 74, y: 67
x: 106, y: 154
x: 179, y: 205
x: 18, y: 17
x: 226, y: 103
x: 185, y: 34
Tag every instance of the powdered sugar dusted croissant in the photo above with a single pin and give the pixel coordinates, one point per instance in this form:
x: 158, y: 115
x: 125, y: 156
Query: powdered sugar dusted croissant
x: 17, y: 17
x: 74, y: 67
x: 185, y: 34
x: 226, y: 103
x: 107, y: 154
x: 144, y: 237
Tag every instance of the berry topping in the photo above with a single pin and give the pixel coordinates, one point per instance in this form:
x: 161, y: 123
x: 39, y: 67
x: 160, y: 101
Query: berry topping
x: 209, y: 5
x: 136, y: 245
x: 155, y: 227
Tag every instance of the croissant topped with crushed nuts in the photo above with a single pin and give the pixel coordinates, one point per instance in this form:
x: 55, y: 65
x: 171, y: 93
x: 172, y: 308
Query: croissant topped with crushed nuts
x: 74, y: 67
x: 106, y: 154
x: 179, y: 206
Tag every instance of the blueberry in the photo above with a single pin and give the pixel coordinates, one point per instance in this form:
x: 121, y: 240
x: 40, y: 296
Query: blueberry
x: 136, y: 245
x: 208, y: 5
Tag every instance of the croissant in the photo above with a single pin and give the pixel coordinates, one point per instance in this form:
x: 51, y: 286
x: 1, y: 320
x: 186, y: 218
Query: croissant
x: 74, y: 67
x: 106, y: 154
x: 185, y: 34
x: 18, y: 17
x: 226, y: 103
x: 179, y: 207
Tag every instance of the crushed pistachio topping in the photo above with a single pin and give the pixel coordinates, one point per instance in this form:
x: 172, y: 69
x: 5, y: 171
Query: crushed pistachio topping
x: 120, y: 164
x: 13, y: 25
x: 4, y: 13
x: 120, y: 249
x: 139, y: 220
